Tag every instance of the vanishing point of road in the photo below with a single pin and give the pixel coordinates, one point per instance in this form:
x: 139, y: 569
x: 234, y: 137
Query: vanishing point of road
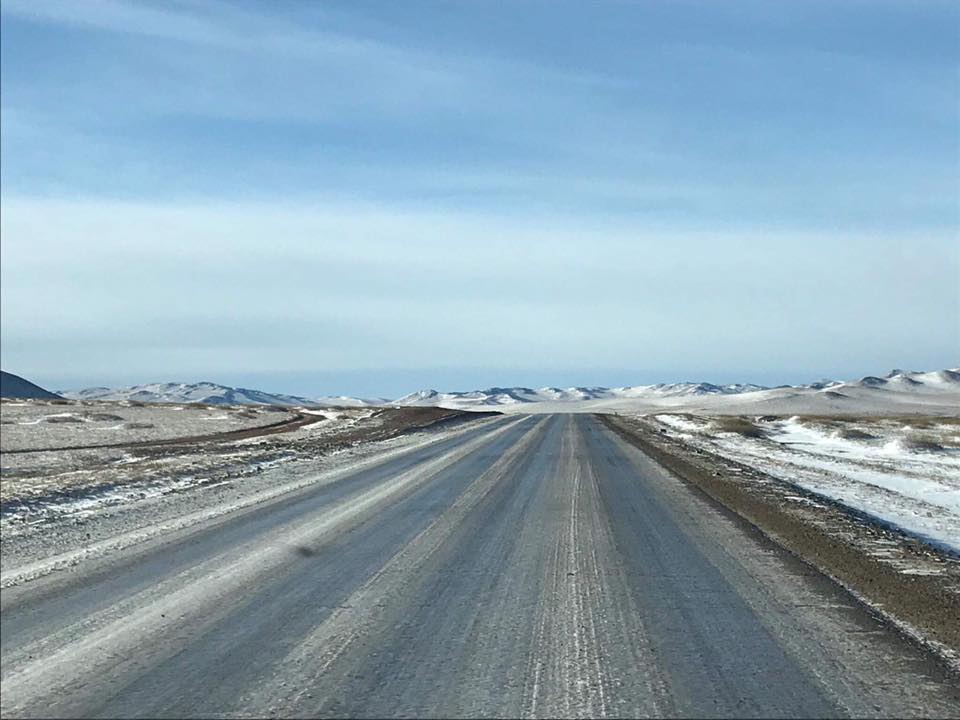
x: 526, y: 566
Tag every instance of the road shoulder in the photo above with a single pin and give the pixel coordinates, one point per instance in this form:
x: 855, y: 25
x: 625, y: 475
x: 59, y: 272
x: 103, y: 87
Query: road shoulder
x: 907, y: 583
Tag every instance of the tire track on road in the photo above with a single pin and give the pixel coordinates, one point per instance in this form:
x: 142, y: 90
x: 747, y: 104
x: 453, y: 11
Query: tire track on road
x: 118, y: 639
x: 311, y: 671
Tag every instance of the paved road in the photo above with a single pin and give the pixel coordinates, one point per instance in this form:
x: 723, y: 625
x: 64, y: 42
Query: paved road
x: 530, y: 567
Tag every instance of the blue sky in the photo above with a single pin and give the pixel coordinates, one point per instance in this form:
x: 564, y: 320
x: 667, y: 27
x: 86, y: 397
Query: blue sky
x: 368, y: 197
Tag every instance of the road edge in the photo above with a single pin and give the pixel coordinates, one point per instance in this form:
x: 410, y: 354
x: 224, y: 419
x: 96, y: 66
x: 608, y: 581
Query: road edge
x: 922, y: 608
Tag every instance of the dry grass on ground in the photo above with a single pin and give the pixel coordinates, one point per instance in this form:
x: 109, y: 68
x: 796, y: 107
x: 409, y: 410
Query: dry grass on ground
x: 739, y: 425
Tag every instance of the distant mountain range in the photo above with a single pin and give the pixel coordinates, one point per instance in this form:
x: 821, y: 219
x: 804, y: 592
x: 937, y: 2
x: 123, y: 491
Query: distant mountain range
x: 213, y: 393
x: 201, y: 392
x: 209, y: 393
x: 942, y: 386
x: 512, y: 396
x: 898, y: 381
x: 14, y: 386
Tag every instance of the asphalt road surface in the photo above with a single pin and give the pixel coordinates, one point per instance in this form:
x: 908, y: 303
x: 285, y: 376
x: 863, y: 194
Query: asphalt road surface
x: 533, y: 566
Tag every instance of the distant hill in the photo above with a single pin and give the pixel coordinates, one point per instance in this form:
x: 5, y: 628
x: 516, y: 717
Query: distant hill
x: 212, y: 394
x: 897, y: 391
x: 347, y: 401
x: 14, y: 386
x: 201, y: 392
x: 498, y: 396
x: 936, y: 392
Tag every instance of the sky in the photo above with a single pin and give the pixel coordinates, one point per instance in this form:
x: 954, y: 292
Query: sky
x: 368, y: 198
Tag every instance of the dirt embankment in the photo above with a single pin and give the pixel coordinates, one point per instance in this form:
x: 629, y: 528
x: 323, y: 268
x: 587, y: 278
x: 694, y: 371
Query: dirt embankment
x: 391, y: 422
x: 909, y: 583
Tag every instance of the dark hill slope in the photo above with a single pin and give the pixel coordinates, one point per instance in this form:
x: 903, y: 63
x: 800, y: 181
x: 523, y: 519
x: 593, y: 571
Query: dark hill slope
x: 14, y: 386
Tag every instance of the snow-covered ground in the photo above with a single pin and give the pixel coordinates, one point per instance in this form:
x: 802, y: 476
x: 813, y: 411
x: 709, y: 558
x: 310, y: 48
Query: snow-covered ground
x: 41, y: 424
x: 904, y: 472
x: 93, y: 474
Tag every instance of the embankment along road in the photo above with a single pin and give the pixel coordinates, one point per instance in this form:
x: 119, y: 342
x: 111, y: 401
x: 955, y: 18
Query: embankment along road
x: 532, y: 566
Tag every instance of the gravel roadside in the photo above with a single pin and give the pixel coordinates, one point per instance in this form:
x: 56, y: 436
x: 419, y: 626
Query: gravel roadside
x: 911, y: 585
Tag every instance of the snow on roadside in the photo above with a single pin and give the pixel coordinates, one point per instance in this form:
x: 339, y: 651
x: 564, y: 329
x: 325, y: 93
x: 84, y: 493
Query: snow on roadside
x: 47, y: 425
x: 122, y: 516
x: 874, y: 469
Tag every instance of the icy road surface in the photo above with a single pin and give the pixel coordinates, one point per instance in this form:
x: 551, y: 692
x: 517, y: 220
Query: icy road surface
x: 533, y: 566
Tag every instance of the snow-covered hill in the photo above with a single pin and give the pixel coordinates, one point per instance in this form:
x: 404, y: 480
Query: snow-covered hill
x: 490, y: 397
x: 202, y: 392
x: 936, y: 392
x: 902, y: 380
x: 500, y: 396
x: 347, y: 401
x: 211, y: 393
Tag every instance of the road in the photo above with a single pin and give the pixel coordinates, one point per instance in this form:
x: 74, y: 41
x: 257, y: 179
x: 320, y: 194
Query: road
x: 532, y: 566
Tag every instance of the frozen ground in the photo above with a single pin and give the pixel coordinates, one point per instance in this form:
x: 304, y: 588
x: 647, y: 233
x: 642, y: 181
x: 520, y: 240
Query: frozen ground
x: 42, y: 424
x: 904, y: 472
x: 43, y: 464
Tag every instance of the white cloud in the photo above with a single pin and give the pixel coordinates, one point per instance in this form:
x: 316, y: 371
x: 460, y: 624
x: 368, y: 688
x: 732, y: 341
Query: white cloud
x: 359, y: 285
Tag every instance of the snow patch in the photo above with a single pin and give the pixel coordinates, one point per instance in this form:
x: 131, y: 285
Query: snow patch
x: 879, y: 473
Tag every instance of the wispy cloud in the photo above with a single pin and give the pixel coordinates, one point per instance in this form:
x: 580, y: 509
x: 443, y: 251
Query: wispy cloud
x: 307, y: 69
